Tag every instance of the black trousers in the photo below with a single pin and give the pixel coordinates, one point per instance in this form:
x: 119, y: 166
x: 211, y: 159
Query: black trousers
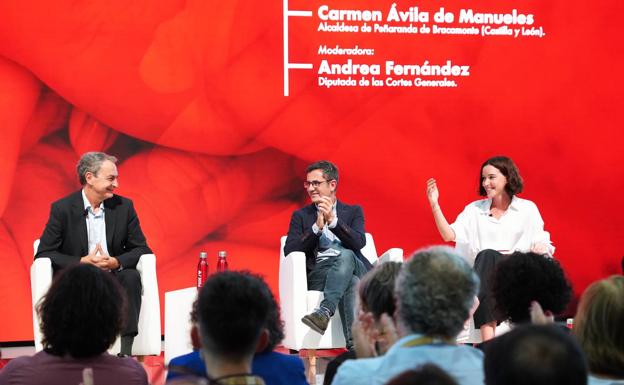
x: 130, y: 280
x: 485, y: 264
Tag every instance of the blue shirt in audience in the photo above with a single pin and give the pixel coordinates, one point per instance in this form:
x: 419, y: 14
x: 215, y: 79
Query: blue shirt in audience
x: 275, y: 368
x: 464, y: 363
x: 591, y: 380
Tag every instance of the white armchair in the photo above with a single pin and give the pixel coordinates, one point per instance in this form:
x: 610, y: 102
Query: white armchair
x: 147, y: 342
x: 296, y: 300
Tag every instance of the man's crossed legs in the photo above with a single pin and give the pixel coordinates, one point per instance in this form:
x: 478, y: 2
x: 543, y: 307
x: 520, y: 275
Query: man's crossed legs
x: 337, y: 278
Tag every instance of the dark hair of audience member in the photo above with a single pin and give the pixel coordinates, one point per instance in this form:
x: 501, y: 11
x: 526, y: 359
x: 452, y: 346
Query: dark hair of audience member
x: 232, y: 310
x: 274, y: 325
x: 525, y: 277
x: 508, y: 168
x: 535, y: 355
x: 428, y: 374
x: 376, y: 289
x: 82, y: 312
x: 599, y: 326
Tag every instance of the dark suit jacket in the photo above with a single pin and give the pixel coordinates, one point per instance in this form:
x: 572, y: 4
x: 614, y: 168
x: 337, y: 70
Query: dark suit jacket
x: 64, y: 239
x: 350, y: 230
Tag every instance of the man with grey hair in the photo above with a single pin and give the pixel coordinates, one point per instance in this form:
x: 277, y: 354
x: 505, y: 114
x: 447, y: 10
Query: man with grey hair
x: 96, y: 226
x: 434, y: 293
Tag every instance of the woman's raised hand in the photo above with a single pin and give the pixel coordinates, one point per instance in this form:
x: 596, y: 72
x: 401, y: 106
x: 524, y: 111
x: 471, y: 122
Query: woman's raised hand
x: 432, y: 192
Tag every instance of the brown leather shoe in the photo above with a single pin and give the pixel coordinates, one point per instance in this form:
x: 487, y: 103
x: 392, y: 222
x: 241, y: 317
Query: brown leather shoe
x: 317, y: 321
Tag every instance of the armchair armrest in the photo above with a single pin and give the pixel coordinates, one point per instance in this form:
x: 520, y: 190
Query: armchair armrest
x: 148, y: 342
x: 392, y: 255
x: 40, y: 278
x: 293, y: 287
x: 147, y: 269
x: 40, y: 281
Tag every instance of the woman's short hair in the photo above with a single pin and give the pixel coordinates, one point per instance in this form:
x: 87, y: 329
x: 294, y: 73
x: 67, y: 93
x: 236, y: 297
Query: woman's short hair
x: 525, y: 277
x: 82, y: 312
x: 376, y: 289
x: 508, y: 168
x: 599, y: 326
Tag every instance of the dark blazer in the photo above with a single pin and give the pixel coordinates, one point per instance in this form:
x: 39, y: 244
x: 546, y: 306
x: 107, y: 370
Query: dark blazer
x: 64, y: 239
x: 350, y: 230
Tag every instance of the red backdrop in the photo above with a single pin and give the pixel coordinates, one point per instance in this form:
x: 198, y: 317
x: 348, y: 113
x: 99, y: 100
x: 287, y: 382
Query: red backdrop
x: 190, y: 96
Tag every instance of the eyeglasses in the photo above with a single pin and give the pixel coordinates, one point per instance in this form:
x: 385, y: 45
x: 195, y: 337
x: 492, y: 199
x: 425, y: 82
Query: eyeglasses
x: 314, y: 183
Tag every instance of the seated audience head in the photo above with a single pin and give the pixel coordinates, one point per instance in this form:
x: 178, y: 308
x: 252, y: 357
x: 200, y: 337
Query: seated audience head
x: 82, y: 313
x: 435, y: 291
x: 535, y: 355
x: 376, y: 289
x: 525, y: 277
x: 599, y: 326
x: 274, y: 326
x: 428, y: 374
x: 375, y: 297
x: 232, y: 311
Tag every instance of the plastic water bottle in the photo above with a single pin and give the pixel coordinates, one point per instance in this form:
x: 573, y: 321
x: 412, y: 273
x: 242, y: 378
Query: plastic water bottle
x: 222, y: 264
x: 202, y: 269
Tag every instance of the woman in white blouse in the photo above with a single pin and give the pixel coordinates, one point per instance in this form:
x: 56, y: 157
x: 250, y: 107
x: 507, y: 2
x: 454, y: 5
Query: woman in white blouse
x: 490, y: 228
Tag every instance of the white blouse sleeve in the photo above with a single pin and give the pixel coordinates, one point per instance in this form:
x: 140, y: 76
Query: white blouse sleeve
x: 465, y: 228
x: 462, y: 225
x: 537, y: 232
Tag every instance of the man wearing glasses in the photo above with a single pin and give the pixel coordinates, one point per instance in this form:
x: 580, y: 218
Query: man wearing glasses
x: 331, y: 234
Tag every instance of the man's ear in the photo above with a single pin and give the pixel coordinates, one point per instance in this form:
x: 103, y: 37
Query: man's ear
x: 367, y: 319
x: 263, y: 341
x: 88, y: 176
x: 333, y: 184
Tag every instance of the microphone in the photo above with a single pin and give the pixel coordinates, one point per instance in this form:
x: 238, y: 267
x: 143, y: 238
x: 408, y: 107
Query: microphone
x: 86, y: 212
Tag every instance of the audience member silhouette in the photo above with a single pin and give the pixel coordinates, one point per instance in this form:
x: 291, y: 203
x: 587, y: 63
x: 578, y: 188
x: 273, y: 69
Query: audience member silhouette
x: 237, y: 316
x: 599, y: 328
x: 80, y: 317
x: 535, y: 355
x: 526, y: 277
x: 375, y: 297
x: 434, y: 293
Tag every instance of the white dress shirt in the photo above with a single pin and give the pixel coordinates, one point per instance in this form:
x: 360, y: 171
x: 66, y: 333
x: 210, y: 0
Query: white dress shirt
x: 96, y: 226
x: 327, y: 238
x: 518, y: 229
